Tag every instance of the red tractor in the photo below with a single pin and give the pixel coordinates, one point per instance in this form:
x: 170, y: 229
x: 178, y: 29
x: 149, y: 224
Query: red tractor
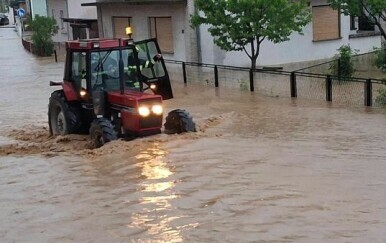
x: 114, y: 88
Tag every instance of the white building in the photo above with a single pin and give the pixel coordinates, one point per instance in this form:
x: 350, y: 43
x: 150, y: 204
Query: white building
x: 74, y: 21
x: 169, y: 21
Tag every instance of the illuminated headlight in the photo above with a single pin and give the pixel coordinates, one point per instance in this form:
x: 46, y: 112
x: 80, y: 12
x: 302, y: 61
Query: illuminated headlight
x: 83, y: 93
x: 153, y: 86
x: 143, y: 111
x: 157, y: 109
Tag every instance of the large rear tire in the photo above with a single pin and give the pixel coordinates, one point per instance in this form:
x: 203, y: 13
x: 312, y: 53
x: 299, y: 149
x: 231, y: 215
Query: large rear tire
x: 179, y: 121
x: 62, y: 118
x: 102, y: 132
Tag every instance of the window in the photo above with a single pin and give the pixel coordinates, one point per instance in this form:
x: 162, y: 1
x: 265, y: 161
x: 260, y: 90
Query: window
x: 161, y: 28
x: 364, y: 23
x: 119, y: 26
x: 105, y: 73
x: 352, y: 23
x: 325, y: 23
x: 361, y: 23
x: 146, y: 53
x: 78, y: 68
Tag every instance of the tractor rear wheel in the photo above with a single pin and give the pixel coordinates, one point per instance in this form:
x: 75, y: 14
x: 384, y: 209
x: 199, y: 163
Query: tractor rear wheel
x: 62, y: 118
x: 179, y: 121
x: 102, y: 132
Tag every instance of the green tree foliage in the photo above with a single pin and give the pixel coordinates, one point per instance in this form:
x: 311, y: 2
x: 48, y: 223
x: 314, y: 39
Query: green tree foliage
x: 374, y: 9
x: 14, y: 3
x: 43, y: 29
x: 381, y: 97
x: 343, y: 66
x: 235, y: 24
x: 380, y: 58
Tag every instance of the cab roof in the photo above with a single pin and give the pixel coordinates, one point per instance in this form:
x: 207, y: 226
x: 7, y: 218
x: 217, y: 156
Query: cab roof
x: 92, y: 44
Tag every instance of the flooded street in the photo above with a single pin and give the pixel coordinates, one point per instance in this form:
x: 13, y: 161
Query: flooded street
x: 259, y: 169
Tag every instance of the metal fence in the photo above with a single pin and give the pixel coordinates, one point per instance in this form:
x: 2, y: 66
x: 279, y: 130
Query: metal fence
x: 348, y: 91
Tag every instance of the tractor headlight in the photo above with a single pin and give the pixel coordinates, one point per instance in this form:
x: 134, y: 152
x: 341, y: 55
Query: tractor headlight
x: 144, y: 111
x: 157, y: 109
x: 83, y: 93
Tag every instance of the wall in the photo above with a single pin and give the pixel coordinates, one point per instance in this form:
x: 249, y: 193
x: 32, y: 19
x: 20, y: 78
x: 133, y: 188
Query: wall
x: 39, y: 7
x: 76, y: 10
x: 54, y: 9
x: 183, y: 35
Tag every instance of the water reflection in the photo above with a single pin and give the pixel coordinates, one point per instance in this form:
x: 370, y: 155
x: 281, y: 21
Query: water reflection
x: 156, y: 195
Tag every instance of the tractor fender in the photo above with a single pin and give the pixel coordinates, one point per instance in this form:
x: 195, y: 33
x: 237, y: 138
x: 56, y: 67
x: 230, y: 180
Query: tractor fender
x: 69, y: 91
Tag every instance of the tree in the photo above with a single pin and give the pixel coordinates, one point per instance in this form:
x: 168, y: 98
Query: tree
x: 374, y: 9
x: 43, y: 29
x: 235, y: 24
x: 14, y: 3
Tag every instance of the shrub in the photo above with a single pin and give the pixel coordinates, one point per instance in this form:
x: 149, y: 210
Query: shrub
x: 43, y: 29
x: 343, y: 65
x: 381, y: 98
x: 380, y: 58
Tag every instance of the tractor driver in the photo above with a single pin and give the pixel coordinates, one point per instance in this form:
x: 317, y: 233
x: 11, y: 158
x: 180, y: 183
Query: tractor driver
x: 104, y: 70
x: 143, y: 65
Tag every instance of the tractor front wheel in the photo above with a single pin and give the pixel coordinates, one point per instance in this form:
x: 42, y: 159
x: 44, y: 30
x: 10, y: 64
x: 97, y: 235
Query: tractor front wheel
x: 179, y: 121
x: 102, y: 132
x: 62, y: 118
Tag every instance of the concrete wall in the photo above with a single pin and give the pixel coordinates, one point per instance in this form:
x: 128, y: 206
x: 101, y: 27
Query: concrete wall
x: 39, y: 7
x: 75, y: 9
x: 54, y: 9
x: 184, y: 38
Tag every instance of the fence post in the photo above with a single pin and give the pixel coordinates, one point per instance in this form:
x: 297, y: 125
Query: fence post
x: 184, y: 72
x: 215, y: 76
x: 56, y: 56
x: 328, y: 88
x: 294, y: 92
x: 251, y: 84
x: 368, y: 93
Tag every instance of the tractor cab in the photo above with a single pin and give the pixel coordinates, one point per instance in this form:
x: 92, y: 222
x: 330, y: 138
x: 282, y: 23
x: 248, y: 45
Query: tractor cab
x: 114, y: 88
x: 116, y: 65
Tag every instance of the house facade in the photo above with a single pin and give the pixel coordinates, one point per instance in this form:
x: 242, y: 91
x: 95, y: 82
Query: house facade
x: 36, y: 8
x: 169, y: 21
x: 73, y: 20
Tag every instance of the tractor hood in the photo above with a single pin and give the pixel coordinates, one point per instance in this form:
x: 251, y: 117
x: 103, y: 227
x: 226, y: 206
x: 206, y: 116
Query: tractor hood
x: 131, y: 98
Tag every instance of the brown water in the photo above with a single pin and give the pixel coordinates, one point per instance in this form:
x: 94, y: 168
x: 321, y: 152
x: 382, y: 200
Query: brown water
x: 259, y: 169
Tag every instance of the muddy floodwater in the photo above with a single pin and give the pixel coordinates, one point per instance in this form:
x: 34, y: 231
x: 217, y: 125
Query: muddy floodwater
x: 259, y: 169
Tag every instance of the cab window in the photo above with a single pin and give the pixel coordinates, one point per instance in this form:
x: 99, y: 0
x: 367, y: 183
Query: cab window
x: 78, y: 68
x: 149, y: 67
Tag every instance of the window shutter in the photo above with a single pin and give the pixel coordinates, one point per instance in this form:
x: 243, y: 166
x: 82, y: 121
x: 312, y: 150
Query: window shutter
x: 120, y: 24
x: 325, y: 23
x: 162, y: 29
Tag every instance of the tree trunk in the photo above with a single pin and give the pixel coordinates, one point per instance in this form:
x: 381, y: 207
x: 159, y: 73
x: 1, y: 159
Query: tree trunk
x: 255, y: 54
x: 380, y: 27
